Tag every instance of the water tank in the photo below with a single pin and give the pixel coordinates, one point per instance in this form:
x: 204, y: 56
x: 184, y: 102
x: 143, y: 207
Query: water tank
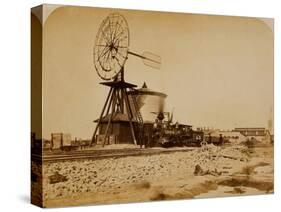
x: 150, y: 103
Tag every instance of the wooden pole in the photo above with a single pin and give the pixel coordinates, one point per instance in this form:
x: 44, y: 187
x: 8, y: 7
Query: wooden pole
x: 114, y: 100
x: 109, y: 104
x: 129, y: 112
x: 110, y: 117
x: 119, y: 102
x: 101, y: 115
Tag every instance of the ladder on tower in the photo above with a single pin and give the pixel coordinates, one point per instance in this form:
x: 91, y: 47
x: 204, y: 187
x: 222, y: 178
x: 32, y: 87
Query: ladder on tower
x: 139, y: 119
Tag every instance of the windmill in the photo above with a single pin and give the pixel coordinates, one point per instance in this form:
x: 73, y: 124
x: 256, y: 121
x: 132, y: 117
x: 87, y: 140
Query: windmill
x: 111, y: 52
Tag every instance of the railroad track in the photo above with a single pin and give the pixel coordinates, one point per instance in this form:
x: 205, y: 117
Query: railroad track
x: 101, y: 154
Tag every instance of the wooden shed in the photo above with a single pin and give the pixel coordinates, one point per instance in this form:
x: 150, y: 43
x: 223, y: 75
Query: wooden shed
x: 119, y: 129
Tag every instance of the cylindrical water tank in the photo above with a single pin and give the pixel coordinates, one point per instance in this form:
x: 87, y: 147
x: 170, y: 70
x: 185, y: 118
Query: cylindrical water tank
x: 149, y: 102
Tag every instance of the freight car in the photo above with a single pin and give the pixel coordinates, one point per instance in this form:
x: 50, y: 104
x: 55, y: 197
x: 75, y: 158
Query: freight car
x: 63, y: 142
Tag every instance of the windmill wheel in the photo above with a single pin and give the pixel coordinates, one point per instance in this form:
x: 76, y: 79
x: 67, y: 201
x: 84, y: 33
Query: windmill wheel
x: 111, y: 46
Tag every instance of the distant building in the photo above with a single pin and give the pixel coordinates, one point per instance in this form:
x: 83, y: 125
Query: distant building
x: 251, y: 131
x: 231, y: 136
x: 257, y: 133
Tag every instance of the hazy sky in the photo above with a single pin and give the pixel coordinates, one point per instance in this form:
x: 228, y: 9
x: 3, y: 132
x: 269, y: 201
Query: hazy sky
x: 216, y: 70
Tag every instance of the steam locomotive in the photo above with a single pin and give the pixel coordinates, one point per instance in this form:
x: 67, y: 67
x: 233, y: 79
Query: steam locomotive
x: 167, y: 134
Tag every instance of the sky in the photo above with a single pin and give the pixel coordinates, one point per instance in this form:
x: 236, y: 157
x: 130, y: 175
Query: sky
x: 216, y: 70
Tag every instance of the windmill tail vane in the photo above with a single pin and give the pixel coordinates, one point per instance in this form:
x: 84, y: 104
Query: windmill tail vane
x: 149, y: 59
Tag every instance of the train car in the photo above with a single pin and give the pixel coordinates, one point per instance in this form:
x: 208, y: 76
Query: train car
x: 61, y: 141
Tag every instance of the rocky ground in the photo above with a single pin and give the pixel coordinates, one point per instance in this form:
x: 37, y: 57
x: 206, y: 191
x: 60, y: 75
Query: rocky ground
x: 208, y: 171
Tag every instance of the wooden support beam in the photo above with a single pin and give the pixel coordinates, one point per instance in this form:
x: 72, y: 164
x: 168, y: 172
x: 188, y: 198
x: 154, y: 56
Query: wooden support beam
x: 130, y: 115
x: 101, y: 115
x: 110, y: 117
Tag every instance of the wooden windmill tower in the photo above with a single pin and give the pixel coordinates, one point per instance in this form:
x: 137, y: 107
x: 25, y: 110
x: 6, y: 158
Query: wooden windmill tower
x: 111, y: 51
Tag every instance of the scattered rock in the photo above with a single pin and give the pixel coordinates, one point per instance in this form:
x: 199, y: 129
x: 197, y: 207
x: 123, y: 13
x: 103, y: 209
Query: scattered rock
x: 57, y: 178
x: 198, y: 171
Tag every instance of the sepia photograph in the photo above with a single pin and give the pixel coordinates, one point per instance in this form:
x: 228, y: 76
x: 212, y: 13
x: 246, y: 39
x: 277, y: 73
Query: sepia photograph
x: 138, y: 106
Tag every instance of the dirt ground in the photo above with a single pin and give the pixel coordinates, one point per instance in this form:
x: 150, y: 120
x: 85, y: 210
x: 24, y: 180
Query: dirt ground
x: 208, y: 171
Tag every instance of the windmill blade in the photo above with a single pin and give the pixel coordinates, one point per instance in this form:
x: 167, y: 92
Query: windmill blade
x: 149, y: 59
